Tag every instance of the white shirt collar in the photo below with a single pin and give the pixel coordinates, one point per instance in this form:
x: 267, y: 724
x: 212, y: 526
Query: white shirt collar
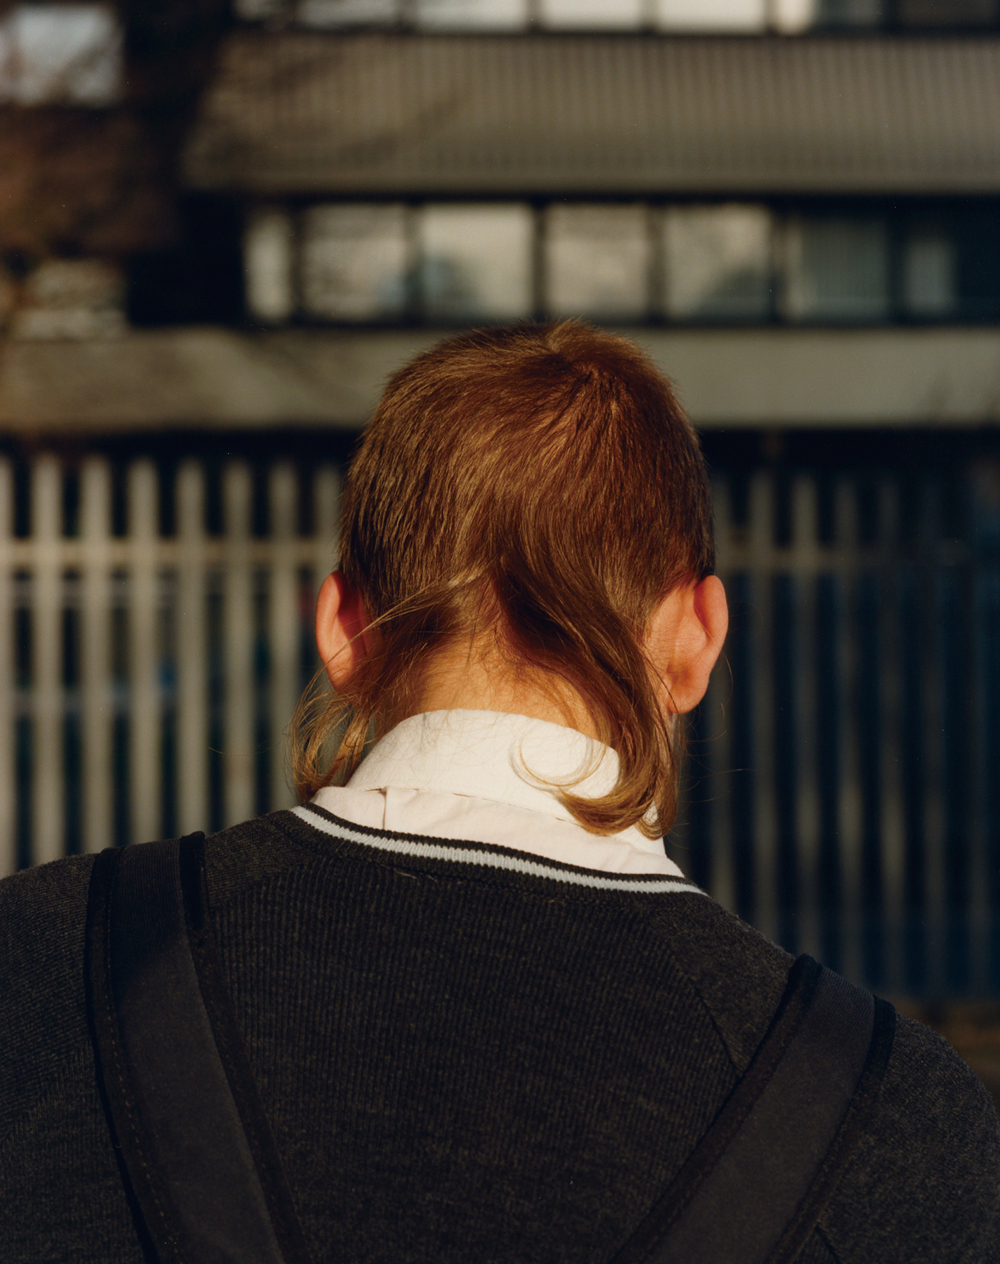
x: 491, y: 755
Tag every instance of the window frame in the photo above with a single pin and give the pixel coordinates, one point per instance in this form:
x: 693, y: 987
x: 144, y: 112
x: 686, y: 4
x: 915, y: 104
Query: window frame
x: 900, y: 216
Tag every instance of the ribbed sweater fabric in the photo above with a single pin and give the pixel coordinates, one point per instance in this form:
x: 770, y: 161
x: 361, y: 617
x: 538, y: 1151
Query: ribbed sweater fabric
x: 464, y: 1062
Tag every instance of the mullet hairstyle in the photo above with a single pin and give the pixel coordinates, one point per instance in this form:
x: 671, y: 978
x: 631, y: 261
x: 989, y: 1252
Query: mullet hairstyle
x: 542, y: 485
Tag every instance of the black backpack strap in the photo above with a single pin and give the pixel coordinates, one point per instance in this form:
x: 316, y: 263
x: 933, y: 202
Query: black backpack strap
x: 758, y: 1181
x: 184, y: 1110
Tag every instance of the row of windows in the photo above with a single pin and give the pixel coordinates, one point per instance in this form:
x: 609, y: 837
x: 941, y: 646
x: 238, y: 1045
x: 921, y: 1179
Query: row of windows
x: 691, y: 15
x: 72, y: 52
x: 358, y: 262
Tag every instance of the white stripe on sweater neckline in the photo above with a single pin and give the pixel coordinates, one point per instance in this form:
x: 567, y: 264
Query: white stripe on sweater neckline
x: 483, y: 855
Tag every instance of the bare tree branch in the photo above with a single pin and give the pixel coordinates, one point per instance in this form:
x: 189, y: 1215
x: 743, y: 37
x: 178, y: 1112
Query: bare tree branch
x: 77, y: 180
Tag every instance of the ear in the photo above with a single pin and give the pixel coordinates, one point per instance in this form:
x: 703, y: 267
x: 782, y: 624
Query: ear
x: 340, y: 629
x: 684, y: 640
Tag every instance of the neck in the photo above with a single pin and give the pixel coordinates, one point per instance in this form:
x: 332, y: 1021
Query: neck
x: 462, y: 677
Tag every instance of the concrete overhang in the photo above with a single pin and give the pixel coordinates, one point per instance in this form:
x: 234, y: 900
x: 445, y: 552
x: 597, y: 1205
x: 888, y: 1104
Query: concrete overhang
x: 219, y: 379
x: 372, y: 114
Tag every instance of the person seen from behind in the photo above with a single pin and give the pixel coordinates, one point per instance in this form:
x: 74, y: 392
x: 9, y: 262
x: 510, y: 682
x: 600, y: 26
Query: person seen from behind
x: 489, y: 1019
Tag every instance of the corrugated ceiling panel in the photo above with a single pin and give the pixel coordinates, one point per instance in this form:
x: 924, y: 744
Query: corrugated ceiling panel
x: 386, y: 114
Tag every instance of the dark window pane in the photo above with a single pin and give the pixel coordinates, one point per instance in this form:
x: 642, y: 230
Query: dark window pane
x: 978, y: 249
x: 837, y: 268
x: 849, y: 12
x: 946, y: 12
x: 930, y: 270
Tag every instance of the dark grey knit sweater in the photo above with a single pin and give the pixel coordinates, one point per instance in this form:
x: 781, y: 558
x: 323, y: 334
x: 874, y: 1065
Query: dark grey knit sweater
x: 465, y: 1059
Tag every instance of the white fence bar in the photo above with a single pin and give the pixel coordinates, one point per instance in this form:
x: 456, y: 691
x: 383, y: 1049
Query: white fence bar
x: 849, y: 817
x: 716, y: 748
x: 765, y: 824
x: 934, y: 755
x: 48, y: 820
x: 326, y: 504
x: 145, y: 715
x: 191, y: 652
x: 8, y: 719
x: 807, y: 561
x: 96, y: 719
x: 984, y: 610
x: 892, y: 824
x: 283, y: 625
x: 238, y: 638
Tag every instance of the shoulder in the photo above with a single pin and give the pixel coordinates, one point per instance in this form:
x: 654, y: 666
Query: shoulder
x: 925, y: 1182
x: 738, y: 975
x: 43, y: 913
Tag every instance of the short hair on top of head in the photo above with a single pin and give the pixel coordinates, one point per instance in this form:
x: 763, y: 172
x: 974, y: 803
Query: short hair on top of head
x: 539, y: 483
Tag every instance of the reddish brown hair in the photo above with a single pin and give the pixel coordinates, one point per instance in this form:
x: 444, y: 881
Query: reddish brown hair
x: 542, y: 482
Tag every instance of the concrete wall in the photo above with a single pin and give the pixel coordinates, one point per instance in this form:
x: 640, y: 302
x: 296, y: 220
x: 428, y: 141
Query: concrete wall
x: 752, y: 378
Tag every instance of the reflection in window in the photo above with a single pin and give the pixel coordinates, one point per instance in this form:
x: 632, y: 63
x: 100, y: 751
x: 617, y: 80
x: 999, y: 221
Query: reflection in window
x: 591, y: 13
x: 705, y: 15
x: 472, y: 14
x: 258, y: 10
x: 787, y: 16
x: 717, y: 262
x: 267, y: 255
x: 68, y: 53
x: 354, y: 261
x: 322, y: 13
x: 738, y: 261
x: 476, y: 260
x: 849, y: 12
x: 837, y: 268
x: 929, y: 273
x: 792, y: 16
x: 597, y: 260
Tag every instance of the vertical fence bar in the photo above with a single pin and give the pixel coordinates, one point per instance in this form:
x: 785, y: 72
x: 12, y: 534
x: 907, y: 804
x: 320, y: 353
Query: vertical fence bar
x: 716, y: 754
x: 48, y: 791
x: 145, y: 737
x: 981, y: 770
x: 933, y: 787
x: 326, y: 502
x: 8, y: 748
x: 762, y: 569
x: 805, y: 550
x: 238, y: 633
x: 986, y: 872
x: 283, y: 624
x: 849, y: 819
x: 95, y: 655
x: 192, y: 652
x: 892, y: 825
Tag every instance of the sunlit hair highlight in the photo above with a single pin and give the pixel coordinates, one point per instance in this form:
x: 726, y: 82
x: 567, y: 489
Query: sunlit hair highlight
x: 542, y: 485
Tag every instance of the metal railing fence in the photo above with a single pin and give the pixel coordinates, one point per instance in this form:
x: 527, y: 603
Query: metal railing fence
x: 843, y: 789
x: 844, y: 793
x: 146, y: 678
